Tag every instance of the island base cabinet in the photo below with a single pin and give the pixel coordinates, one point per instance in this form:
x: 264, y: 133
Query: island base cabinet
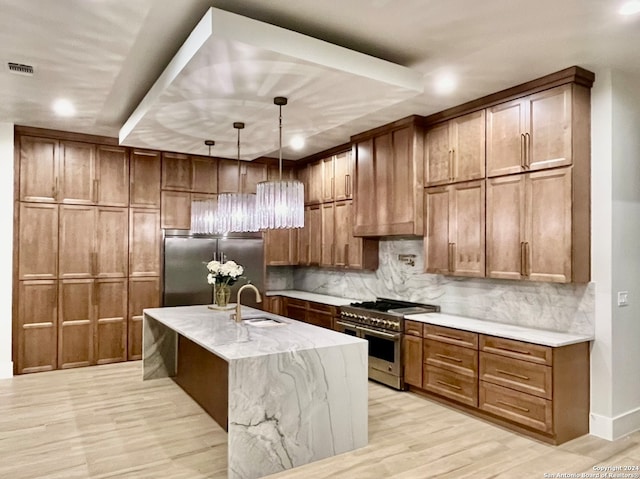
x: 205, y: 377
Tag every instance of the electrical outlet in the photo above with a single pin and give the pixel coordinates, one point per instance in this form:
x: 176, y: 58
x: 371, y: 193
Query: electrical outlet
x: 623, y: 298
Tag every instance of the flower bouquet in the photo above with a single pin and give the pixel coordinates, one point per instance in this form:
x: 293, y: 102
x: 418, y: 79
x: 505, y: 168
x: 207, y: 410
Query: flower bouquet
x: 222, y: 276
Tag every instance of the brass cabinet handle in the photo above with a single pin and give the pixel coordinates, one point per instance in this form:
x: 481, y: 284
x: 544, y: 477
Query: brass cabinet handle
x: 57, y: 189
x: 453, y: 257
x: 450, y: 164
x: 449, y: 257
x: 452, y: 386
x: 449, y: 358
x: 346, y: 254
x: 515, y: 375
x: 447, y: 336
x: 453, y: 164
x: 517, y: 351
x: 527, y: 150
x: 527, y: 259
x: 522, y: 269
x: 522, y: 147
x: 346, y: 186
x: 514, y: 406
x: 96, y: 189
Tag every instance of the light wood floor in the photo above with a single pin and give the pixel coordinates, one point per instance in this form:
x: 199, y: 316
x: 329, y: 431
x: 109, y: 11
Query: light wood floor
x: 105, y: 422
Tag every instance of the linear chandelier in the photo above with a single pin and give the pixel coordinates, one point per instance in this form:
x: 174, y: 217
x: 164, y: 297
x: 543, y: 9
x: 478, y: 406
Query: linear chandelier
x: 280, y: 204
x: 236, y: 212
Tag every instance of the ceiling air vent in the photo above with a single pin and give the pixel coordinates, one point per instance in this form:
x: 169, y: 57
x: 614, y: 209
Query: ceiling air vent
x: 20, y: 69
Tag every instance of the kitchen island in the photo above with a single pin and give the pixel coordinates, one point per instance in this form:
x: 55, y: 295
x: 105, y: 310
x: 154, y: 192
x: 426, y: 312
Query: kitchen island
x: 288, y: 393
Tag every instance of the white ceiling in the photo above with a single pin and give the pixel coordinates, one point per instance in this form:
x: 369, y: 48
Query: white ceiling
x: 104, y: 55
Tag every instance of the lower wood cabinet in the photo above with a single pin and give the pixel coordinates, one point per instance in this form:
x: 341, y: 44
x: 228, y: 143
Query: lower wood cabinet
x: 273, y: 304
x: 143, y: 293
x: 535, y: 389
x: 318, y: 314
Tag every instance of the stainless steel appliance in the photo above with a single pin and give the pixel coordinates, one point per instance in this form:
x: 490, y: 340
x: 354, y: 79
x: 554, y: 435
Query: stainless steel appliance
x: 185, y: 272
x: 381, y: 323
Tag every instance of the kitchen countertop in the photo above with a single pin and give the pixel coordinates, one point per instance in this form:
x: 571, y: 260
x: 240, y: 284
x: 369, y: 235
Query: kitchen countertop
x: 297, y: 393
x: 218, y: 334
x: 530, y: 335
x: 315, y: 297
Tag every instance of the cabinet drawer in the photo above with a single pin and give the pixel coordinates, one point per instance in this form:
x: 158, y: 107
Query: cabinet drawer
x: 454, y: 386
x: 451, y: 336
x: 531, y: 411
x: 294, y: 312
x: 300, y: 303
x: 323, y: 320
x: 413, y: 328
x: 530, y: 378
x: 323, y: 307
x: 534, y: 353
x: 451, y: 357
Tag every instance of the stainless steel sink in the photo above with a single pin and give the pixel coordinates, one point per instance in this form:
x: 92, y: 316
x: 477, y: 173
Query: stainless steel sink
x: 263, y: 322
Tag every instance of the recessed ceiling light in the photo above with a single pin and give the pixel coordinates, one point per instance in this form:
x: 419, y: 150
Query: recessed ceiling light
x: 630, y: 8
x: 63, y: 107
x: 445, y: 83
x: 297, y: 142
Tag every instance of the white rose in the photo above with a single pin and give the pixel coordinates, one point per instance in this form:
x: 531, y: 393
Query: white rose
x: 211, y: 279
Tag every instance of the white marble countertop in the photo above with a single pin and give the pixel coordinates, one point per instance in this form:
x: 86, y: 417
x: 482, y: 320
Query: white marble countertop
x: 315, y: 297
x: 217, y: 333
x: 530, y: 335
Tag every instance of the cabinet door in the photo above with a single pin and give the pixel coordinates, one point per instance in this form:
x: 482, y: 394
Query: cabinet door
x: 76, y: 325
x: 38, y: 241
x: 77, y: 242
x: 327, y: 230
x: 412, y: 352
x: 314, y: 182
x: 112, y: 176
x: 281, y: 247
x: 145, y: 179
x: 438, y: 152
x: 548, y: 246
x: 112, y: 242
x: 506, y: 125
x: 143, y: 293
x: 436, y: 240
x: 252, y: 174
x: 144, y: 242
x: 229, y: 174
x: 77, y: 173
x: 38, y: 169
x: 37, y: 329
x: 205, y: 175
x: 342, y: 234
x: 343, y: 174
x: 110, y: 320
x: 505, y: 226
x: 468, y: 146
x: 549, y: 119
x: 328, y: 179
x: 315, y: 234
x: 467, y: 228
x: 177, y: 172
x: 176, y: 210
x: 303, y: 239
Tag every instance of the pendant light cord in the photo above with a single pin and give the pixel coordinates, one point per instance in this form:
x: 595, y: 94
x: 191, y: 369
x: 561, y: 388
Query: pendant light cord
x: 280, y: 144
x: 239, y: 126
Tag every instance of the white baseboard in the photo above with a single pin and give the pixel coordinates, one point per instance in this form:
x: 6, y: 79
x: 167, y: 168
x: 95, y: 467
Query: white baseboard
x: 612, y: 428
x: 6, y: 369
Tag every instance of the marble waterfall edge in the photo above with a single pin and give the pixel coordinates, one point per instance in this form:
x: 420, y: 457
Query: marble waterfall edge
x: 318, y: 410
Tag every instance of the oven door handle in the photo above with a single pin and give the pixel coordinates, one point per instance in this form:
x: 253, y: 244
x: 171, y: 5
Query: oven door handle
x: 380, y: 334
x: 347, y: 325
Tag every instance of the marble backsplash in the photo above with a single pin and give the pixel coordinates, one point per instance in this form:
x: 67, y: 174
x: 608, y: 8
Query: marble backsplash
x: 558, y: 307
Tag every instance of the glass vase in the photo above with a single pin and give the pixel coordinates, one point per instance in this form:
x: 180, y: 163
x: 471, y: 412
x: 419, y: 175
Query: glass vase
x: 222, y: 296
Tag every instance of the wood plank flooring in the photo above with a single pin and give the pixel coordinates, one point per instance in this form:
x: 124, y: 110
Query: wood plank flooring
x: 105, y: 422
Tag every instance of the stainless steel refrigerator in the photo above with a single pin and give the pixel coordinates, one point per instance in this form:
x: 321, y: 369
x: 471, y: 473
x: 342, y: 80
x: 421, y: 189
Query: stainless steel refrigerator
x: 185, y: 271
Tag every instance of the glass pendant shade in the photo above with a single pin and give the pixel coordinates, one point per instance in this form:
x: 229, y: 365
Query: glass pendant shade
x: 236, y: 213
x: 280, y: 204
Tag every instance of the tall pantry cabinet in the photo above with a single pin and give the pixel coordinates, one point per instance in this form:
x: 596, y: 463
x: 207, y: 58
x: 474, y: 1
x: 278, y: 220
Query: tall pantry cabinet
x: 74, y: 253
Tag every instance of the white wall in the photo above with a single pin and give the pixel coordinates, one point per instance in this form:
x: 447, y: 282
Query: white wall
x: 626, y: 252
x: 6, y: 247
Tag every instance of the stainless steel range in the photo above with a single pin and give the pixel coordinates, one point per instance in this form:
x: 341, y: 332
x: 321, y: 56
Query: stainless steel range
x: 381, y: 323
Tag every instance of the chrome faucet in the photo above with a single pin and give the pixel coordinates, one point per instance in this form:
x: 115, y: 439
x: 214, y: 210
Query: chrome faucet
x: 237, y: 317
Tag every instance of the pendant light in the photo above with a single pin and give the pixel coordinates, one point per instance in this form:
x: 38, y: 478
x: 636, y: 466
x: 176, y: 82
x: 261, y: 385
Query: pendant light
x: 236, y: 212
x: 203, y: 211
x: 280, y: 203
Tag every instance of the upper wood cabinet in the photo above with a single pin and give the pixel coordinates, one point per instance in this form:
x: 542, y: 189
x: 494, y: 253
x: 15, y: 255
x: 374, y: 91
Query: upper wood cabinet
x: 538, y: 131
x: 281, y: 247
x: 343, y: 176
x: 250, y: 175
x: 38, y: 241
x: 455, y: 150
x: 38, y: 169
x: 144, y: 242
x: 310, y: 237
x: 334, y: 176
x: 311, y: 177
x: 327, y: 230
x: 350, y: 251
x: 77, y: 173
x: 455, y: 233
x: 176, y: 210
x: 388, y: 197
x: 145, y: 179
x: 205, y: 175
x: 37, y: 327
x: 327, y: 179
x: 177, y: 172
x: 112, y: 176
x: 532, y: 228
